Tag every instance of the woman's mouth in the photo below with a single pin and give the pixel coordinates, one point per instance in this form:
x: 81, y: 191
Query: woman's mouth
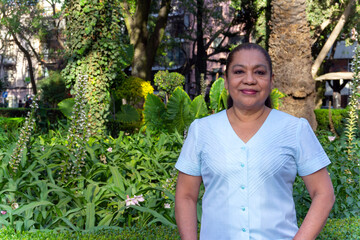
x: 248, y: 91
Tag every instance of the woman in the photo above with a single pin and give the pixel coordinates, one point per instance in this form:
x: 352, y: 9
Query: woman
x: 248, y: 157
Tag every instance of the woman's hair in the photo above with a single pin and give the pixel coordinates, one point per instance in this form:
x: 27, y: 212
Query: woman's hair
x: 248, y: 46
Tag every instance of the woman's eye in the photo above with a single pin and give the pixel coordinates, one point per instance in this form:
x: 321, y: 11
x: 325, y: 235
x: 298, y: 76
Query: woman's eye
x: 238, y: 71
x: 260, y: 73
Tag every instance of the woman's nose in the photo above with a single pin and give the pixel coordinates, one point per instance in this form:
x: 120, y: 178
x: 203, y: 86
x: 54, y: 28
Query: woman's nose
x: 249, y: 79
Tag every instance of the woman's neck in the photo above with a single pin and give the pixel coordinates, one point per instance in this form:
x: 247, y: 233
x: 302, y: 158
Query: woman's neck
x: 244, y: 115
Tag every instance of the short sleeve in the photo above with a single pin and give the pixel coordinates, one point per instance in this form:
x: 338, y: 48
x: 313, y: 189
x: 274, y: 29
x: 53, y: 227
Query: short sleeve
x: 189, y: 159
x: 311, y: 156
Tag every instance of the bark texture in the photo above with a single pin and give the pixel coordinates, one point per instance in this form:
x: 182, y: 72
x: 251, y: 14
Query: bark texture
x: 290, y: 50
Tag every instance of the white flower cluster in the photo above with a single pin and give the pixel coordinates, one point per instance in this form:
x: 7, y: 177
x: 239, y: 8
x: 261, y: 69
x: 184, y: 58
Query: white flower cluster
x: 134, y: 201
x: 24, y: 138
x: 78, y: 133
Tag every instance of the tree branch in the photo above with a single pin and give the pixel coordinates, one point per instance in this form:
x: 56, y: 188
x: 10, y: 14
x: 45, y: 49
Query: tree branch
x: 330, y: 41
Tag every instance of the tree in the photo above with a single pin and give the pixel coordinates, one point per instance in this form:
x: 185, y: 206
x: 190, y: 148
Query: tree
x: 210, y: 32
x: 290, y: 49
x: 24, y: 22
x: 145, y: 41
x: 96, y: 49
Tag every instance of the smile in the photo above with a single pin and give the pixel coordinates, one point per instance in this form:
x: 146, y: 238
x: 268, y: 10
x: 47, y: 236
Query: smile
x: 248, y: 91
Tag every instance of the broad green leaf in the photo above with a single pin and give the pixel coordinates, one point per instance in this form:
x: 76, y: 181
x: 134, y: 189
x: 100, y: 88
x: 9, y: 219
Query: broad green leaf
x: 66, y: 106
x: 198, y: 107
x: 128, y: 114
x: 216, y: 94
x: 154, y: 112
x: 179, y: 111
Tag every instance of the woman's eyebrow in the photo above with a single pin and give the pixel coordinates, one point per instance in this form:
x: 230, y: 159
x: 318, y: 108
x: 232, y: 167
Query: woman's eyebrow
x: 243, y: 66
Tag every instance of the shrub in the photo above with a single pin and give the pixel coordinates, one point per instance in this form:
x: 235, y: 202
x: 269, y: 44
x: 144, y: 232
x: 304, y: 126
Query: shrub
x: 168, y: 82
x: 337, y: 115
x: 11, y: 124
x: 53, y: 89
x: 341, y: 229
x: 133, y: 89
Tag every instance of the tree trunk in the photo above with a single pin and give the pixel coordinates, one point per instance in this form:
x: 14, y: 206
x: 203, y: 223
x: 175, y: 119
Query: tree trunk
x: 290, y: 49
x: 145, y: 43
x: 28, y: 58
x: 200, y: 62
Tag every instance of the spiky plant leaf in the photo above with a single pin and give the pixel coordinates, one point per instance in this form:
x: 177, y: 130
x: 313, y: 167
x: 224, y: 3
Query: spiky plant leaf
x: 198, y: 107
x: 179, y: 111
x: 127, y: 114
x: 154, y: 112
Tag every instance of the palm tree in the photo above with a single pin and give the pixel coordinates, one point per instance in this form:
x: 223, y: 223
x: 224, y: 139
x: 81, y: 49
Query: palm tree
x: 290, y: 49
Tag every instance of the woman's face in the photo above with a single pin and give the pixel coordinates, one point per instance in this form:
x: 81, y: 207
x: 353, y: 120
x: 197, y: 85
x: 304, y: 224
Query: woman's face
x: 249, y: 80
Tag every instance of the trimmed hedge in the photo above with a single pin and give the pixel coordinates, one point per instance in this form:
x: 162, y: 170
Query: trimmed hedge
x: 131, y: 233
x: 337, y: 116
x: 335, y: 229
x: 52, y: 113
x: 338, y: 229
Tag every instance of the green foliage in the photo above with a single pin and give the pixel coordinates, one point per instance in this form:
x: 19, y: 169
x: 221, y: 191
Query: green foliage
x: 94, y: 199
x: 133, y: 89
x: 352, y: 124
x: 218, y: 96
x: 337, y: 116
x: 336, y: 229
x: 11, y: 124
x: 128, y: 233
x: 276, y: 96
x: 53, y: 89
x: 167, y: 82
x: 66, y: 107
x: 96, y: 49
x: 128, y: 114
x: 177, y: 115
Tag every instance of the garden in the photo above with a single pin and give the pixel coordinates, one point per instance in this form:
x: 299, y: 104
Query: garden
x: 60, y: 182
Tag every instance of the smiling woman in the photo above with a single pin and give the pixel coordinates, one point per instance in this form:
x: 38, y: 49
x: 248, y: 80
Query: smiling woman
x: 247, y: 157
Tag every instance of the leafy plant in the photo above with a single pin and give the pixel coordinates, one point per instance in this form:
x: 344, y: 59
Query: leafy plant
x: 218, y: 96
x: 53, y: 89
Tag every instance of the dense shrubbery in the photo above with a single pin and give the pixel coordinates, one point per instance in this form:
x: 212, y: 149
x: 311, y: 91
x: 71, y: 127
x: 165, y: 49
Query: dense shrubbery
x: 338, y: 117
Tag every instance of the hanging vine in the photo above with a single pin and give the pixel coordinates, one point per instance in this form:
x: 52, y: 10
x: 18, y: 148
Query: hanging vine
x: 96, y: 49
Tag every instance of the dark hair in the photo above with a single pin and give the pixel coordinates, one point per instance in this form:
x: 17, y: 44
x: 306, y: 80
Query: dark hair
x: 248, y: 46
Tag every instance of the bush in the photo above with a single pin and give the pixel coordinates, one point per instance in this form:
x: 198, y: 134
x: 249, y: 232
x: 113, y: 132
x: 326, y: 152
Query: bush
x: 11, y: 124
x: 128, y: 233
x: 339, y: 229
x: 53, y: 89
x: 133, y: 89
x: 337, y: 116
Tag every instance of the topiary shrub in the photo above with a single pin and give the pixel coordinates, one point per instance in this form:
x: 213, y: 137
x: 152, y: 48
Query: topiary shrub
x: 338, y: 229
x: 167, y: 82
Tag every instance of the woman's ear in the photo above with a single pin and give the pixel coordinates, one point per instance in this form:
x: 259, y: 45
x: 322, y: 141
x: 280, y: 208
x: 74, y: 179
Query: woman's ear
x: 272, y: 81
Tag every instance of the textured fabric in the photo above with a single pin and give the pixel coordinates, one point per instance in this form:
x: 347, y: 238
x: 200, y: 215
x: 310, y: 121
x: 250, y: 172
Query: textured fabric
x: 248, y: 187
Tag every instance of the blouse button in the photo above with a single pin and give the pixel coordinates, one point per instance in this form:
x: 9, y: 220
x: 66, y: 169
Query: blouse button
x: 243, y: 208
x: 244, y: 230
x: 242, y: 186
x: 242, y: 165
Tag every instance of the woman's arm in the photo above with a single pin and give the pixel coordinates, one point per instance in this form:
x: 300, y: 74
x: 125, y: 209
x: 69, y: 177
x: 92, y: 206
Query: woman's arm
x: 321, y: 192
x: 187, y: 192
